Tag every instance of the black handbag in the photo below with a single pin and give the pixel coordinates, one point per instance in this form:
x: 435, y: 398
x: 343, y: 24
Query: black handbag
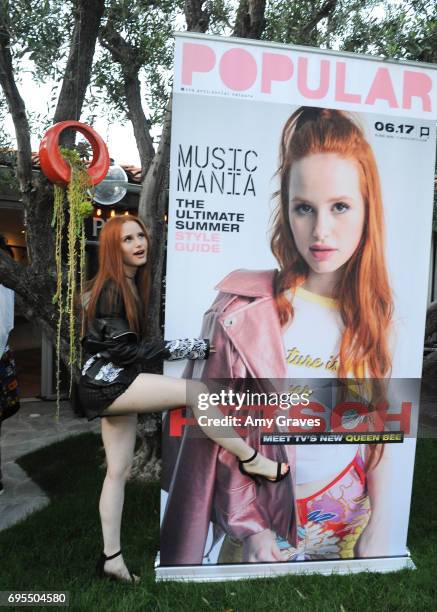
x: 9, y: 396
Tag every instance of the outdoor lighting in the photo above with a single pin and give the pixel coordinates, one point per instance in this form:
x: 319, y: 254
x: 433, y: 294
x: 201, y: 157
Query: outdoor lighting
x: 112, y: 213
x: 113, y: 188
x: 99, y: 212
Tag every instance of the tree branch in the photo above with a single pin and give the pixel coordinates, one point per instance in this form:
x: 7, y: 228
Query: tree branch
x: 38, y: 204
x: 87, y: 18
x: 154, y: 178
x: 29, y: 290
x: 151, y: 209
x: 15, y: 104
x: 325, y: 11
x: 431, y: 319
x: 197, y: 18
x: 12, y: 274
x: 125, y: 54
x: 250, y: 21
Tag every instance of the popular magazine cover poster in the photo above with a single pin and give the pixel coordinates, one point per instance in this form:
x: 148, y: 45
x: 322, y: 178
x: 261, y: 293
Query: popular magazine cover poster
x: 298, y: 243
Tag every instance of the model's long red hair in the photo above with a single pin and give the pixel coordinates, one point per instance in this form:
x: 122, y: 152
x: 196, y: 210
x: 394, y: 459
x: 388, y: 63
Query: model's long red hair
x: 111, y: 268
x: 363, y: 294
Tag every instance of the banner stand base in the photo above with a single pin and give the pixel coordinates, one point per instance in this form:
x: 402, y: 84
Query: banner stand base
x: 221, y: 572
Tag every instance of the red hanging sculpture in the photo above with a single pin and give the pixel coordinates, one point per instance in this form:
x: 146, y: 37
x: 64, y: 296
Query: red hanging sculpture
x: 54, y: 166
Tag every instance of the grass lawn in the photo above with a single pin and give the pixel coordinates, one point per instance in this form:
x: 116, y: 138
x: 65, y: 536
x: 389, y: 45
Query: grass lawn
x: 56, y: 549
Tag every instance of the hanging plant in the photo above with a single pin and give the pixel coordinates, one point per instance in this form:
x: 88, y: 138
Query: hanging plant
x: 76, y: 200
x: 72, y: 179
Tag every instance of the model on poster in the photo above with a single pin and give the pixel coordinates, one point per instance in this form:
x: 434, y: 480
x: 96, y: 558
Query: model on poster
x: 330, y: 300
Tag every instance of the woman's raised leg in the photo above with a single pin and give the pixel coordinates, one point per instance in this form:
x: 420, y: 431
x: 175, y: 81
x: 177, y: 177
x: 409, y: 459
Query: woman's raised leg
x: 118, y: 435
x: 156, y: 393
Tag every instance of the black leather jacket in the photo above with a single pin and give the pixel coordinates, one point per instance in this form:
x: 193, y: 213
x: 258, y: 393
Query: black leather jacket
x: 115, y: 353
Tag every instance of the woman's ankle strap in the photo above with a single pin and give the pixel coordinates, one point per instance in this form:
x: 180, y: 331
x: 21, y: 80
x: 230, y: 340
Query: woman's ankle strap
x: 250, y: 458
x: 112, y: 556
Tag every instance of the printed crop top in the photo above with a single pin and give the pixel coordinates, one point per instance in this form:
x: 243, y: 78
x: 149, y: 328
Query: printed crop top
x: 311, y: 345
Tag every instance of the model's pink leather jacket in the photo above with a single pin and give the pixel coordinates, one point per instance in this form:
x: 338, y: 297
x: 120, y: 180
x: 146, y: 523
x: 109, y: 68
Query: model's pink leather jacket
x: 203, y: 479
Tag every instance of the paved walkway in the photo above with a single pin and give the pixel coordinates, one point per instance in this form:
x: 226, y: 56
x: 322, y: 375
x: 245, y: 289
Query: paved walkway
x: 33, y: 427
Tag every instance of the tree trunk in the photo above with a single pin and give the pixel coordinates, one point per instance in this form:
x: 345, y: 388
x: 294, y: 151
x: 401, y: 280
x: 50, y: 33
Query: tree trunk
x: 429, y: 372
x: 35, y: 284
x: 146, y: 465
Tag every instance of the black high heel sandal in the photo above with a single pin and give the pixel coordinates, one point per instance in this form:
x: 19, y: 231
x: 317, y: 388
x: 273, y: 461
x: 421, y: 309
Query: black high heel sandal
x: 255, y: 477
x: 100, y: 569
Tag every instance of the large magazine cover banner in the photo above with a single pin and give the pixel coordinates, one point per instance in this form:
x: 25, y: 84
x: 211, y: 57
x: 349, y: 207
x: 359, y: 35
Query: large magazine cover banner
x: 299, y: 232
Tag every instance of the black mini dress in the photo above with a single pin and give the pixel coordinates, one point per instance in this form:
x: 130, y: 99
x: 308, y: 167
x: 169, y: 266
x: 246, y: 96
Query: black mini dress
x: 114, y: 355
x: 95, y: 400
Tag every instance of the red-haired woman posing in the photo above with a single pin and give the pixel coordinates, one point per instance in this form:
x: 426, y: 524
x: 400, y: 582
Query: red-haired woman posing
x: 115, y: 386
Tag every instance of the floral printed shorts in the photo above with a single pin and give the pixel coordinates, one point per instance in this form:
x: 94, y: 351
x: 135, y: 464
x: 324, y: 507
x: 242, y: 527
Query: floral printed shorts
x: 332, y: 519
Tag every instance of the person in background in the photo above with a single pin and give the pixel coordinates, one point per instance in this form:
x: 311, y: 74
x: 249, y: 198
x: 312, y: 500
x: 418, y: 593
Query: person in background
x: 9, y: 401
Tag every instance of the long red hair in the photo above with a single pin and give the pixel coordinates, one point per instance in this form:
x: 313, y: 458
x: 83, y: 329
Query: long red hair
x: 363, y: 294
x: 111, y: 269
